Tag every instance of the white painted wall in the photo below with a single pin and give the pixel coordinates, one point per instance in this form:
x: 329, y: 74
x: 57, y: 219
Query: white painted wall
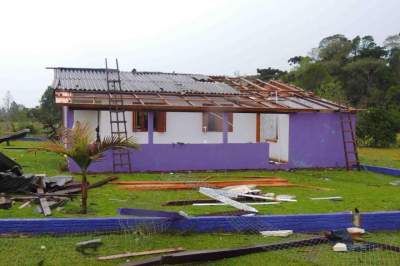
x: 279, y: 149
x: 183, y: 127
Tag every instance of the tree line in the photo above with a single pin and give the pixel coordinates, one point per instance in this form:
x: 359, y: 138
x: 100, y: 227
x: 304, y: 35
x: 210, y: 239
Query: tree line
x: 44, y: 119
x: 358, y: 72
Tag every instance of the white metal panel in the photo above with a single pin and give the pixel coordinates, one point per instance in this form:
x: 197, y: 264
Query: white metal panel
x: 278, y: 149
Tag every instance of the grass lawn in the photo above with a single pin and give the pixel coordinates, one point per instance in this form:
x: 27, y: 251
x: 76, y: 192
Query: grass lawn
x: 365, y: 190
x: 388, y: 157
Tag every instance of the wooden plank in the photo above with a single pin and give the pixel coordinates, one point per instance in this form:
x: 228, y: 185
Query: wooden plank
x: 234, y: 182
x: 150, y: 213
x: 103, y: 182
x: 43, y: 202
x: 218, y: 254
x: 141, y: 253
x: 193, y: 186
x: 258, y: 127
x: 247, y: 203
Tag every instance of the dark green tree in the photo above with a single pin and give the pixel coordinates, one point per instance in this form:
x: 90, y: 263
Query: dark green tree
x: 377, y: 127
x: 270, y: 73
x: 48, y: 113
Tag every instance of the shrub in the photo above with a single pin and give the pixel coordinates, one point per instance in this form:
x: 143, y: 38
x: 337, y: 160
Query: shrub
x: 377, y: 127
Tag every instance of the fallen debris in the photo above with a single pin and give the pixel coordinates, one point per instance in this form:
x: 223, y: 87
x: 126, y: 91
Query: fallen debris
x: 103, y: 182
x: 336, y: 198
x: 280, y: 233
x: 16, y: 135
x: 247, y: 203
x: 339, y: 247
x: 216, y: 194
x: 141, y: 253
x: 197, y: 201
x: 174, y: 185
x: 218, y: 254
x: 355, y: 231
x: 5, y: 203
x: 151, y: 213
x: 26, y: 203
x: 82, y: 247
x: 229, y: 213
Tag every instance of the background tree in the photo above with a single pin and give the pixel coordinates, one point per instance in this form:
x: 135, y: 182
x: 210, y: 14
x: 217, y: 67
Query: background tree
x: 48, y: 113
x: 359, y: 72
x: 270, y: 73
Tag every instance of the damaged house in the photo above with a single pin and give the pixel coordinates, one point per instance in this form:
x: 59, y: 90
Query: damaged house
x: 199, y: 122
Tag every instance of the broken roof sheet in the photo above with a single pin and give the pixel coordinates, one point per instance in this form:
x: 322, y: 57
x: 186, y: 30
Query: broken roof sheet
x: 87, y: 88
x: 85, y: 79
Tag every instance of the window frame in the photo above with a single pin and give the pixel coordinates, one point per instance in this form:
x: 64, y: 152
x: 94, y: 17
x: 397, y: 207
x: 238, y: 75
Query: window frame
x: 217, y: 118
x: 139, y: 121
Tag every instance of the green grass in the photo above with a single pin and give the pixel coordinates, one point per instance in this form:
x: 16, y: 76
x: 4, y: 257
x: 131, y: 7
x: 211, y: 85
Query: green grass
x: 386, y: 157
x: 365, y: 190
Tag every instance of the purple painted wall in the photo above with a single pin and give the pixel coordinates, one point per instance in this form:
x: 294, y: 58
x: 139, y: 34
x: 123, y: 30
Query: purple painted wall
x: 315, y: 140
x: 179, y: 157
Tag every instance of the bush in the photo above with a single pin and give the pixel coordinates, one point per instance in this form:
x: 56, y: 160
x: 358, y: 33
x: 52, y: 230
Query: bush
x: 377, y: 127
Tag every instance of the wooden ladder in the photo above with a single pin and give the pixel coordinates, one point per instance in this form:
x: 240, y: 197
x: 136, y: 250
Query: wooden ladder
x: 349, y: 141
x: 121, y: 157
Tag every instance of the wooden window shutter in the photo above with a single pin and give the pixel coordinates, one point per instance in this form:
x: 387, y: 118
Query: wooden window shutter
x: 134, y: 121
x: 230, y: 122
x: 161, y: 125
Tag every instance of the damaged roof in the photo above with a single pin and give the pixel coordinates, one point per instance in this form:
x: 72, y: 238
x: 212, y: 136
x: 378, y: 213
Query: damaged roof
x: 95, y: 79
x: 86, y: 88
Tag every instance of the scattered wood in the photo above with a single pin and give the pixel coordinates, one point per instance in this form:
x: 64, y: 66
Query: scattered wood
x: 5, y: 203
x: 141, y: 253
x: 16, y: 135
x: 150, y: 213
x: 229, y: 213
x: 195, y: 201
x: 236, y: 176
x: 218, y: 254
x: 247, y: 203
x: 90, y: 244
x: 280, y: 233
x: 43, y: 201
x: 26, y: 203
x: 174, y: 185
x: 336, y: 198
x: 103, y: 182
x: 234, y: 182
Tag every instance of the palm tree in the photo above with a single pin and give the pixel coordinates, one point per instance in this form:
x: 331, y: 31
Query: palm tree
x: 76, y: 144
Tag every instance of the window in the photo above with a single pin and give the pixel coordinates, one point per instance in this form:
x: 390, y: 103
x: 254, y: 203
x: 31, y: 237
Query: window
x: 270, y: 124
x: 212, y: 122
x: 139, y: 120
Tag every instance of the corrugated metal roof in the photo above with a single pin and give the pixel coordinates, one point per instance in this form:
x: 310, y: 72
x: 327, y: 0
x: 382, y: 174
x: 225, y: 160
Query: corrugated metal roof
x: 87, y: 79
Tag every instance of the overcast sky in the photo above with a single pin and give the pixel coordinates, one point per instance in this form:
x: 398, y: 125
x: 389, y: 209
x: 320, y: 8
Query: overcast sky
x: 193, y: 36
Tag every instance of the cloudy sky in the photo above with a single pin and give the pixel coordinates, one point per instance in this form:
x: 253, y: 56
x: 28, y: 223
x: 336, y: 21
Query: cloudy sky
x: 207, y: 36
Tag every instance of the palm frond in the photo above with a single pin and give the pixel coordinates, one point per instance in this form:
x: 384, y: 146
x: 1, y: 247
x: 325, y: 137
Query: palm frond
x: 116, y: 142
x: 76, y: 144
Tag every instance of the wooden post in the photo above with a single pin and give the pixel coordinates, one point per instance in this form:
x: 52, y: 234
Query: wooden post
x: 150, y: 126
x: 225, y: 128
x: 258, y: 127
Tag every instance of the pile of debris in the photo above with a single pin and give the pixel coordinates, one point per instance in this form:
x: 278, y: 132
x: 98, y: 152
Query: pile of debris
x: 239, y: 197
x: 47, y: 192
